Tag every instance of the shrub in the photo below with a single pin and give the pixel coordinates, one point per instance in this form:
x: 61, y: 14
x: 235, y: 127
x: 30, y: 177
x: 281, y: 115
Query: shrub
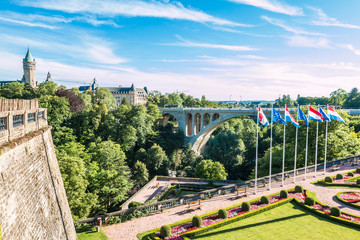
x: 309, y: 201
x: 358, y: 181
x: 134, y: 204
x: 299, y: 189
x: 350, y: 174
x: 223, y: 214
x: 245, y: 206
x: 329, y: 179
x: 335, y: 211
x: 339, y: 176
x: 265, y: 200
x: 197, y: 221
x: 165, y: 231
x: 358, y: 170
x: 283, y: 194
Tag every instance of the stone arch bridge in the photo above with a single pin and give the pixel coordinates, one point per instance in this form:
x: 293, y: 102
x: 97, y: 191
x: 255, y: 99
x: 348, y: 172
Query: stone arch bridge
x: 199, y: 123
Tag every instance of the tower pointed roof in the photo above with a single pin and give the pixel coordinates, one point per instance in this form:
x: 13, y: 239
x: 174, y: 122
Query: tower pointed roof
x: 132, y: 87
x: 28, y: 57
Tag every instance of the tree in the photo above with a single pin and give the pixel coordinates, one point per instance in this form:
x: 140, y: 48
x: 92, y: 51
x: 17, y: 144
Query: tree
x: 104, y: 96
x: 125, y: 101
x: 58, y: 109
x: 47, y: 88
x: 210, y: 170
x: 140, y: 174
x: 228, y: 149
x: 155, y: 159
x: 76, y: 104
x: 112, y: 181
x: 17, y: 90
x: 74, y: 175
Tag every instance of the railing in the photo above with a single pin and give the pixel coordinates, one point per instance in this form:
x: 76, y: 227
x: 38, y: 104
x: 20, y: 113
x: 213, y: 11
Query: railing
x: 153, y: 207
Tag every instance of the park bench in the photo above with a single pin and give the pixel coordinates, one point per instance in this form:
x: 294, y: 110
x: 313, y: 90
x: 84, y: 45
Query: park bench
x: 242, y: 192
x: 335, y: 168
x: 194, y: 205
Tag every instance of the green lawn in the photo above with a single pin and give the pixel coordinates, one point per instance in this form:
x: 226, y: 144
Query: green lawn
x: 91, y: 235
x: 285, y: 222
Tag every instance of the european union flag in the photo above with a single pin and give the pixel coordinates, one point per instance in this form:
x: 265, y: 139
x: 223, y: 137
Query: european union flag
x: 325, y: 116
x: 302, y: 116
x: 276, y: 117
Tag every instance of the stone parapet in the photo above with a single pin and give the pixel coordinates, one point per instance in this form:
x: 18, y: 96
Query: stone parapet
x: 19, y: 117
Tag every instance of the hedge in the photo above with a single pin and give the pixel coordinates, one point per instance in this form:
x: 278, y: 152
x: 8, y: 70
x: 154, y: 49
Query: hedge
x: 358, y: 170
x: 350, y: 174
x: 335, y: 211
x: 202, y: 230
x: 284, y: 194
x: 333, y: 218
x: 196, y: 221
x: 309, y: 201
x: 339, y: 176
x: 328, y: 179
x: 223, y: 214
x: 299, y: 189
x: 345, y: 202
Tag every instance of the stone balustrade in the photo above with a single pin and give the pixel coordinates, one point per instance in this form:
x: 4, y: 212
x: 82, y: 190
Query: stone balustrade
x: 19, y: 117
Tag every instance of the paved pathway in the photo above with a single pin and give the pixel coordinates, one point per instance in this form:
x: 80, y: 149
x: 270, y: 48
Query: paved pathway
x: 129, y: 229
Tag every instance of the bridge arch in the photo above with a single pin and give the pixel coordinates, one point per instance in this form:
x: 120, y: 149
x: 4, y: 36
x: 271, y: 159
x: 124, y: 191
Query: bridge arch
x: 199, y: 141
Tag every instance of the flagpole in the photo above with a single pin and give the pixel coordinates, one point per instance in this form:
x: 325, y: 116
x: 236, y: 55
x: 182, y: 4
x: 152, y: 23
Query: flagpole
x: 296, y: 138
x: 306, y: 149
x: 271, y: 128
x: 316, y: 147
x: 257, y: 140
x: 326, y: 132
x: 283, y: 163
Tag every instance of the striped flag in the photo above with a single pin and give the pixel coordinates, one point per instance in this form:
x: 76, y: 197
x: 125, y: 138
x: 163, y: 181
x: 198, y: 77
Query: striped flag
x: 315, y: 115
x: 290, y: 118
x: 334, y: 115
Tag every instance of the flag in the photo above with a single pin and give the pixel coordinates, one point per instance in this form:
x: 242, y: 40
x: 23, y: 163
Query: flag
x: 290, y: 118
x: 302, y: 116
x: 262, y: 118
x: 276, y: 117
x: 334, y: 115
x: 325, y: 117
x: 315, y: 115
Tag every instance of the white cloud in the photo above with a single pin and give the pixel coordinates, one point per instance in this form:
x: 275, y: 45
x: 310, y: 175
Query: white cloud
x: 324, y: 20
x: 351, y: 48
x: 281, y: 24
x: 273, y: 6
x: 187, y: 43
x: 30, y: 24
x: 47, y: 21
x: 129, y: 8
x: 315, y: 42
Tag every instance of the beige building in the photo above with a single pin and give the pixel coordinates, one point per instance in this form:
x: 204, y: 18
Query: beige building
x: 135, y: 96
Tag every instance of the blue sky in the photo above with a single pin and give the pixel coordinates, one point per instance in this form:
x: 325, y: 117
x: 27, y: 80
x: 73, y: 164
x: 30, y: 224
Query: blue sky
x: 249, y: 49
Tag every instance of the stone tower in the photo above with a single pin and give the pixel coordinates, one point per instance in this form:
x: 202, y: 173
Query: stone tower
x: 29, y: 67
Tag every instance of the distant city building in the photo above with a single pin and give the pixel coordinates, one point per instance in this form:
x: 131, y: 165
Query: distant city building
x: 135, y: 96
x: 29, y: 66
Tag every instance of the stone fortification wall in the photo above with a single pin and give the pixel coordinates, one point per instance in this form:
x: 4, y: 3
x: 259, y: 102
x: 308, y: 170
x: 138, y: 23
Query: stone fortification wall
x: 33, y: 203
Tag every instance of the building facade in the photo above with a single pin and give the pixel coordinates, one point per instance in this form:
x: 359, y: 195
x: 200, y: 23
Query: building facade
x: 135, y: 96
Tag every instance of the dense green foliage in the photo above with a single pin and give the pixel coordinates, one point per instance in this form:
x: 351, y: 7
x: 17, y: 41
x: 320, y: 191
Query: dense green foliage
x: 299, y: 189
x: 339, y: 176
x: 210, y: 170
x: 222, y: 213
x: 328, y: 179
x: 265, y: 200
x: 165, y: 231
x: 245, y: 206
x: 335, y: 211
x: 283, y: 194
x: 309, y: 201
x: 196, y: 221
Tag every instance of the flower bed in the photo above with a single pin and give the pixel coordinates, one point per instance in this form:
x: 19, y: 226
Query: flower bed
x: 210, y: 221
x: 346, y: 180
x: 350, y: 198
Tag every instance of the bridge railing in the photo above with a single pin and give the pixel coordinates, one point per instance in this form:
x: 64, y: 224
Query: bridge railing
x: 170, y: 203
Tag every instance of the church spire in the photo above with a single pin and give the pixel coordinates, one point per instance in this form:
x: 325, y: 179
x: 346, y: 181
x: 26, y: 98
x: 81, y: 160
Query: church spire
x: 28, y: 57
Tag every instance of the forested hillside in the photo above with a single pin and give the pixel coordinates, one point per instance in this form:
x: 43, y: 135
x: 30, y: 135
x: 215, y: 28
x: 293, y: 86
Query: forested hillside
x: 106, y: 152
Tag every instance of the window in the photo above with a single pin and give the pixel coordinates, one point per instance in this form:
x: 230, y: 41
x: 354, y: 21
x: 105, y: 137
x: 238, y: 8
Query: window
x: 2, y: 124
x: 40, y: 115
x: 31, y: 117
x: 17, y: 120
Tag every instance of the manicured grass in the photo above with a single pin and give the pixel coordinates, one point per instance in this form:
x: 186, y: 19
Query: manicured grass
x: 91, y: 235
x: 289, y: 221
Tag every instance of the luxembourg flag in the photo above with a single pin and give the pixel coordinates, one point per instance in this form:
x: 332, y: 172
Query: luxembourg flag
x: 262, y: 118
x: 315, y: 115
x: 334, y: 115
x: 290, y: 118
